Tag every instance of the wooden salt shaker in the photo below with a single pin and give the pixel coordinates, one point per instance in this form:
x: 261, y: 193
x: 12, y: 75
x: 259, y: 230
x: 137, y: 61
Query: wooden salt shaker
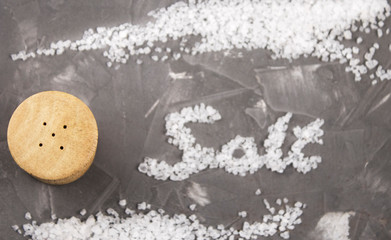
x: 53, y: 136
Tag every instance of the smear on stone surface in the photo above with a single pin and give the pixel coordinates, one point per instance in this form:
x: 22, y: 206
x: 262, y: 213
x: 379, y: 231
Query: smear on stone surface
x: 332, y: 226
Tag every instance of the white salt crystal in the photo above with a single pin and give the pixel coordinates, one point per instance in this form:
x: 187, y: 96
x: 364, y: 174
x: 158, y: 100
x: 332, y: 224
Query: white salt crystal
x: 379, y: 33
x: 148, y: 226
x: 155, y: 58
x: 176, y: 56
x: 122, y: 203
x: 128, y: 211
x: 322, y: 39
x: 192, y: 207
x: 27, y: 216
x: 143, y: 206
x: 347, y: 35
x: 15, y: 227
x: 242, y: 214
x: 83, y: 212
x: 284, y: 235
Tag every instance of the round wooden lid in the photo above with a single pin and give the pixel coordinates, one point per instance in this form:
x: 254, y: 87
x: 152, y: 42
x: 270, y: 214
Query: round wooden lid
x: 53, y: 136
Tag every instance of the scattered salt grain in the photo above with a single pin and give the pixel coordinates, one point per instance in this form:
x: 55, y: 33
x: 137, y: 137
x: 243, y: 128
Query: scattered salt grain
x: 267, y: 204
x: 83, y: 212
x: 379, y: 33
x: 15, y: 227
x: 128, y: 211
x: 242, y: 214
x: 156, y: 223
x: 143, y: 206
x: 155, y: 58
x: 192, y: 207
x: 176, y: 56
x: 298, y: 204
x: 27, y: 216
x: 258, y: 192
x: 122, y: 203
x: 284, y: 235
x: 359, y: 40
x: 347, y: 35
x: 318, y: 30
x: 112, y: 212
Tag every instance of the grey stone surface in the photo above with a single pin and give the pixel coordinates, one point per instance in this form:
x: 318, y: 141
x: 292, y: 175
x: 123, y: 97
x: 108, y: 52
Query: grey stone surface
x: 249, y: 89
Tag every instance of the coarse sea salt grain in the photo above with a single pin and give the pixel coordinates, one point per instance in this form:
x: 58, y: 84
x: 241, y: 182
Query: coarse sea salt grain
x: 83, y: 212
x: 196, y: 158
x: 379, y: 33
x: 308, y: 28
x: 27, y: 216
x: 143, y: 206
x: 158, y: 225
x: 122, y: 202
x: 15, y: 227
x: 258, y: 192
x: 242, y: 214
x: 192, y: 207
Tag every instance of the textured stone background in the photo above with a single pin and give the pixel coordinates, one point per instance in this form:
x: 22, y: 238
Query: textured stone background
x: 248, y: 88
